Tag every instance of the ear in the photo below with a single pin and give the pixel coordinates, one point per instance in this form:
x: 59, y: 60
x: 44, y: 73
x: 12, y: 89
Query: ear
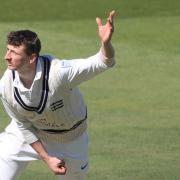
x: 32, y: 58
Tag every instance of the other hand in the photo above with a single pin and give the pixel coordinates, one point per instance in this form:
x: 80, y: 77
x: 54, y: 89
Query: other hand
x: 56, y: 165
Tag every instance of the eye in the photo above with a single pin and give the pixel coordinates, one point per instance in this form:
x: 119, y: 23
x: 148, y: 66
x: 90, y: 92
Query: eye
x: 14, y: 52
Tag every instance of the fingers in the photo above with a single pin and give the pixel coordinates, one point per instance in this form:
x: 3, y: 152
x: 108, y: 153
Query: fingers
x: 61, y: 169
x: 61, y: 163
x: 99, y: 21
x: 111, y: 16
x: 110, y: 20
x: 112, y: 13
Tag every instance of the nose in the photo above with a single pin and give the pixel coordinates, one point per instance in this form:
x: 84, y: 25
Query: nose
x: 7, y: 55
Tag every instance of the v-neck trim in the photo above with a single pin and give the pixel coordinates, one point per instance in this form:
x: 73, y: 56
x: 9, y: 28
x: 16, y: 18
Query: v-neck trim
x: 45, y: 89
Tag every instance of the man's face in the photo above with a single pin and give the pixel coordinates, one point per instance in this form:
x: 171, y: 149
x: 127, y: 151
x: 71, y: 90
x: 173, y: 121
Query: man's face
x: 16, y: 57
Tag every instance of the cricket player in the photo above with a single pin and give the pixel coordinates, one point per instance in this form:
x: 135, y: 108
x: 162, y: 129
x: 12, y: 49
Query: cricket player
x: 49, y: 116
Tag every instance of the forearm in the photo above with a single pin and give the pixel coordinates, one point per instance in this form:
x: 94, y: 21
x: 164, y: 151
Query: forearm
x: 39, y: 148
x: 54, y: 163
x: 108, y: 51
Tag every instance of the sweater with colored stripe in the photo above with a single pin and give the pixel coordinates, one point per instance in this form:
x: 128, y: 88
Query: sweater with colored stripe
x: 54, y: 101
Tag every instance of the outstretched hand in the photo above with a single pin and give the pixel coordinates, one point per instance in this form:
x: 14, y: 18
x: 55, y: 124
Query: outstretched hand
x: 106, y: 31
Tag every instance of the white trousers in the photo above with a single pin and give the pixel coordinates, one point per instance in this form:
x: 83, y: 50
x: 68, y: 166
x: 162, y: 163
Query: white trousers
x: 15, y: 155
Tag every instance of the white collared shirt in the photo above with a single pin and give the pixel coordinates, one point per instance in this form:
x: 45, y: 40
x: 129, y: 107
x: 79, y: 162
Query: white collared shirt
x: 65, y: 105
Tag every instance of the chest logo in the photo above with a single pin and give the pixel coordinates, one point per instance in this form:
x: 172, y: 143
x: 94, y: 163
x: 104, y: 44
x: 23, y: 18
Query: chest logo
x: 57, y: 105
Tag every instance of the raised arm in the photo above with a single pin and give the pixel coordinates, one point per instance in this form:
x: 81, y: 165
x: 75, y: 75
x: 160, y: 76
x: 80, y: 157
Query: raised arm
x: 105, y: 34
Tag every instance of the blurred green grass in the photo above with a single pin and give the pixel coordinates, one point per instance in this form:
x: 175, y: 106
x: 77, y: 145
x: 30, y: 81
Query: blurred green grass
x: 40, y: 10
x: 133, y: 109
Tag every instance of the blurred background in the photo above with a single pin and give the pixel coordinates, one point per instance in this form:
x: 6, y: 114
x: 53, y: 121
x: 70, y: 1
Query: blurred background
x: 133, y: 109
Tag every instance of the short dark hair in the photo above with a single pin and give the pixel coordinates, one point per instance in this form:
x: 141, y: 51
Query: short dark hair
x: 26, y: 37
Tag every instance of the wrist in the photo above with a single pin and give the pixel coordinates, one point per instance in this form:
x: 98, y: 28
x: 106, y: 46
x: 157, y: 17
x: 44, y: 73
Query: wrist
x: 107, y: 49
x: 108, y: 61
x: 38, y: 147
x: 45, y: 157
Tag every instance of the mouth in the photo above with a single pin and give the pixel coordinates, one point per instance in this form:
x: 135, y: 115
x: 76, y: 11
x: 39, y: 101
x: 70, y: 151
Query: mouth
x: 9, y: 66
